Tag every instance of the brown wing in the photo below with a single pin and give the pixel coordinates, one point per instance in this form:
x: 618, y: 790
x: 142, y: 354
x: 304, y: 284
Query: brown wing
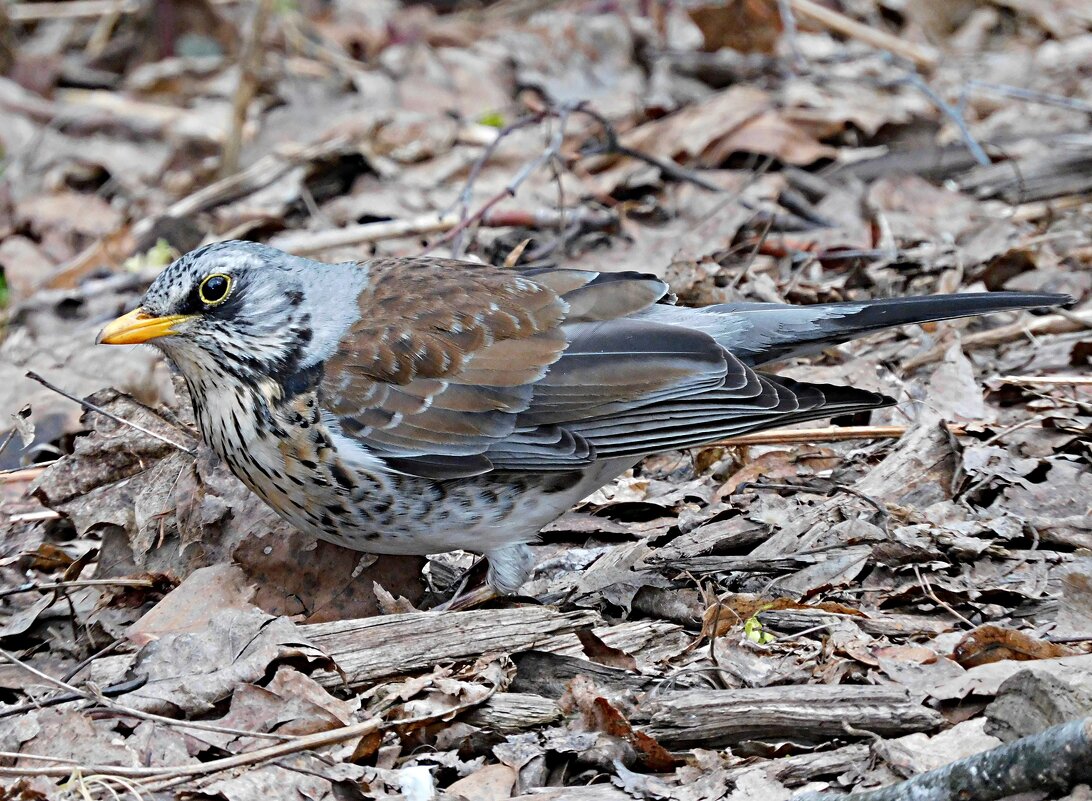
x: 455, y: 369
x: 446, y: 355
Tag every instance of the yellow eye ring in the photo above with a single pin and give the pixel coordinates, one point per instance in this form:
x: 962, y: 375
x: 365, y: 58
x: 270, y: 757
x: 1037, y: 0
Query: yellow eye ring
x: 214, y: 289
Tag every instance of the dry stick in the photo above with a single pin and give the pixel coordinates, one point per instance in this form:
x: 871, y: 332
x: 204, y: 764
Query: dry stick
x: 99, y: 697
x: 305, y: 743
x: 76, y: 584
x: 611, y: 146
x: 33, y: 376
x: 921, y: 55
x: 249, y: 64
x: 1048, y: 324
x: 305, y: 243
x: 552, y: 151
x: 1049, y: 380
x: 73, y: 9
x: 463, y: 202
x: 794, y: 436
x: 1054, y: 761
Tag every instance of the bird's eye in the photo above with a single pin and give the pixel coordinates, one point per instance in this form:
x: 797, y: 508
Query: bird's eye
x: 214, y: 289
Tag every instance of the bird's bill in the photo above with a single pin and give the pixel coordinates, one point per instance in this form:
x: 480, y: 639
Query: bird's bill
x: 138, y: 326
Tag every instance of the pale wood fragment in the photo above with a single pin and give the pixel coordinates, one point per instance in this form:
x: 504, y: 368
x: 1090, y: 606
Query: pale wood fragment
x: 803, y: 713
x: 374, y: 648
x: 508, y: 713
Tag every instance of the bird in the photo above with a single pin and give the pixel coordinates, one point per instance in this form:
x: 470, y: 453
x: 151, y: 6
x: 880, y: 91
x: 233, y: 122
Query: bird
x: 420, y: 405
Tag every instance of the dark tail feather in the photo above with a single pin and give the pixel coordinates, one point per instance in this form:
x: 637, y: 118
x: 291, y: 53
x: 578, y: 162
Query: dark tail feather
x: 758, y: 333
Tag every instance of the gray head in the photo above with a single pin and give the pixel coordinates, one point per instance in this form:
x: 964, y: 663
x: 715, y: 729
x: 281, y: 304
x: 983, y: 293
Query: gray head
x: 241, y: 308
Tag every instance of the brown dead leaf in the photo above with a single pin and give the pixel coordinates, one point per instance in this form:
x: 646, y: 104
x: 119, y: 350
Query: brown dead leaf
x: 193, y: 603
x: 291, y: 703
x: 735, y: 609
x: 598, y: 651
x: 780, y: 464
x: 598, y: 714
x: 749, y: 26
x: 992, y: 643
x: 192, y: 671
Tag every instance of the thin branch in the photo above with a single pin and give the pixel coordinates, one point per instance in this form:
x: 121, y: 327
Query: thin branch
x: 306, y: 743
x: 796, y: 436
x: 611, y: 146
x: 33, y: 376
x: 921, y: 55
x: 250, y: 61
x: 552, y: 151
x: 306, y: 243
x: 99, y: 696
x: 1049, y: 380
x: 1047, y: 324
x: 75, y: 584
x: 1051, y: 761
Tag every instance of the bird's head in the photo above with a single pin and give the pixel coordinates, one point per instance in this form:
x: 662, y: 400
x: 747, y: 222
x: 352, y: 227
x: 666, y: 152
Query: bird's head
x: 237, y: 308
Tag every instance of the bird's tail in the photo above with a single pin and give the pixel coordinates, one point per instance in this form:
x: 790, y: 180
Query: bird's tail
x: 758, y: 333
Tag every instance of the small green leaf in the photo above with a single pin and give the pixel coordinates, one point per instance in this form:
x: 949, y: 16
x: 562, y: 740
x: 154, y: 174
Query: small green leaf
x: 494, y: 119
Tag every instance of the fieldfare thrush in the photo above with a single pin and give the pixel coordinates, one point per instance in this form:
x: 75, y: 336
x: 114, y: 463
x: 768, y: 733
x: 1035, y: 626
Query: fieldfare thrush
x: 423, y: 405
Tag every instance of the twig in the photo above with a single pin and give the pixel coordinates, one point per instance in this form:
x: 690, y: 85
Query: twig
x: 552, y: 151
x: 951, y: 113
x: 611, y: 146
x: 921, y: 55
x: 249, y: 65
x: 305, y: 743
x: 1049, y: 380
x: 1047, y: 324
x: 795, y: 436
x: 467, y: 194
x: 121, y: 688
x: 788, y: 22
x: 828, y: 491
x: 1032, y: 96
x: 33, y: 376
x: 1051, y: 761
x: 305, y: 243
x: 73, y: 9
x: 58, y: 585
x: 927, y: 588
x: 74, y: 693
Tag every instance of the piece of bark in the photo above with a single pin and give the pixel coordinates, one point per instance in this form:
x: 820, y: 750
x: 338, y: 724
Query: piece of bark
x: 875, y: 623
x: 1052, y: 761
x: 372, y: 648
x: 802, y: 768
x: 593, y: 792
x: 805, y: 713
x: 1031, y: 701
x: 547, y: 674
x: 509, y: 713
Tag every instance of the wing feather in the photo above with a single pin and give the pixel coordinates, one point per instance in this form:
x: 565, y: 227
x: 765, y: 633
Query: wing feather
x: 456, y: 369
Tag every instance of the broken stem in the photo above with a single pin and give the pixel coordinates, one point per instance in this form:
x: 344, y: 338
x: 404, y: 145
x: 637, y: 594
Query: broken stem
x: 33, y: 376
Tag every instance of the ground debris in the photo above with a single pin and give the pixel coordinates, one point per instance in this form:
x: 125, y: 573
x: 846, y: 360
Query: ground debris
x: 837, y: 608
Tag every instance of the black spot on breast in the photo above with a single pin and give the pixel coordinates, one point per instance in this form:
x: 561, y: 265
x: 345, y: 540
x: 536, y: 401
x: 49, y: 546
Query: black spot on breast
x: 340, y: 475
x: 294, y: 296
x: 309, y: 464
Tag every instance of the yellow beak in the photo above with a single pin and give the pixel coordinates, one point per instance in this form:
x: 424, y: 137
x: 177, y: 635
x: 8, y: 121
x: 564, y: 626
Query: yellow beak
x: 137, y: 326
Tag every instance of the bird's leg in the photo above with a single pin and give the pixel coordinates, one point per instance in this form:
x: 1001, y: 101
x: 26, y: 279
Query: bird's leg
x: 509, y: 567
x: 461, y: 598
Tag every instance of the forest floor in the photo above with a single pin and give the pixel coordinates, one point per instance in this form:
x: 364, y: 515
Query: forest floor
x: 833, y: 608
